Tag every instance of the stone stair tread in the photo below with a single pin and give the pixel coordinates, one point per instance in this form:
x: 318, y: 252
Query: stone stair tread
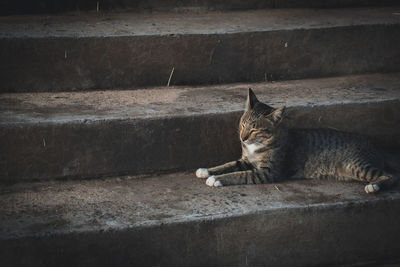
x: 107, y: 133
x: 119, y: 203
x: 90, y: 106
x: 115, y: 24
x: 82, y: 51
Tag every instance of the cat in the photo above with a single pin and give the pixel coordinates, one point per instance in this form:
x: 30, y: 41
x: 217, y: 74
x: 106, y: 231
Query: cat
x: 272, y: 152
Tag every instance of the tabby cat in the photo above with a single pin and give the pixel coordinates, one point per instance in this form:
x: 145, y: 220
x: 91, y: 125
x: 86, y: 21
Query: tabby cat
x: 270, y: 152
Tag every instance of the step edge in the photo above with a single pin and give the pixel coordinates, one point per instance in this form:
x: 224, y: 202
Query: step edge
x: 85, y: 120
x: 393, y: 197
x: 193, y: 34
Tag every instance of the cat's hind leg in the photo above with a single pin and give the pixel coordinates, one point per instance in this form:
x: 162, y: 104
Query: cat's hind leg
x: 385, y: 180
x: 233, y: 166
x: 374, y: 176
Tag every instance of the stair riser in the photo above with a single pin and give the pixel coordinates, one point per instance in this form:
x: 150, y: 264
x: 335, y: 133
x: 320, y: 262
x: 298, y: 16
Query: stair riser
x: 317, y: 235
x: 50, y: 151
x: 56, y: 64
x: 11, y: 7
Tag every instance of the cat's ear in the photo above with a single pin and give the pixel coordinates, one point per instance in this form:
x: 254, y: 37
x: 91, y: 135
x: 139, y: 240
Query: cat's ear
x: 251, y: 99
x: 277, y: 114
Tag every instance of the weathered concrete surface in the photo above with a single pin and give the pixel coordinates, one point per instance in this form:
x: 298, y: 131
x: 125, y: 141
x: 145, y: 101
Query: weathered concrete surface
x: 92, y: 51
x: 176, y: 220
x: 87, y: 134
x: 11, y: 7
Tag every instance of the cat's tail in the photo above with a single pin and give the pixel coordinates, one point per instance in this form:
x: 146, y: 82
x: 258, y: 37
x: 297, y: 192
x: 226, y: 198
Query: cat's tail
x: 392, y: 162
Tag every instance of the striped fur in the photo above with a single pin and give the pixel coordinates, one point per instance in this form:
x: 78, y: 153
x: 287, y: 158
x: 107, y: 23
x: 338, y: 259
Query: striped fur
x: 271, y: 152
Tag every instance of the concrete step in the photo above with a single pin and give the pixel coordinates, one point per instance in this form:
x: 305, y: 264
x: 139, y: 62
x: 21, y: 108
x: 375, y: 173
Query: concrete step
x: 105, y: 51
x: 11, y: 7
x: 88, y: 134
x: 176, y: 220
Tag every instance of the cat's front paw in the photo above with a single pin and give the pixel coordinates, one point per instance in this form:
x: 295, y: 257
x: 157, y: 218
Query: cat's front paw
x: 211, y: 181
x: 202, y: 173
x: 371, y: 188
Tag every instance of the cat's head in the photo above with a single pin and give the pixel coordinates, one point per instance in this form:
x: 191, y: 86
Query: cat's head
x: 259, y: 122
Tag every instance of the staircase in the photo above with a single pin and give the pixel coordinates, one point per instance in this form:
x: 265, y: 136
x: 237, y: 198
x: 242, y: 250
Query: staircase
x: 108, y: 107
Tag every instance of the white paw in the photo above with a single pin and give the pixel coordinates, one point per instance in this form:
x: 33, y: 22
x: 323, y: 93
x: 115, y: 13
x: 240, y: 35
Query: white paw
x: 217, y: 184
x: 371, y: 188
x: 202, y: 173
x: 212, y: 182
